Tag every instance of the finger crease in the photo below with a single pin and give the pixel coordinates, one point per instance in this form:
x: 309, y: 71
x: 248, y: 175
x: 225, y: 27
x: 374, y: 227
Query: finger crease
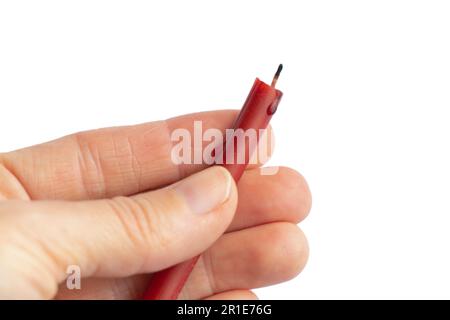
x: 210, y: 271
x: 9, y: 168
x: 87, y: 155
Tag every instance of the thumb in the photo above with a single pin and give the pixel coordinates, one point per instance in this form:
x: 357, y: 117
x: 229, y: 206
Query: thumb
x: 115, y: 237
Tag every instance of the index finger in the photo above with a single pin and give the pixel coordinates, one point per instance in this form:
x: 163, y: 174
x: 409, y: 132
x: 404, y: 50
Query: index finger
x: 108, y: 162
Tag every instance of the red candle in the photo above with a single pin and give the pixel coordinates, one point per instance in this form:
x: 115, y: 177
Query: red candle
x: 261, y: 104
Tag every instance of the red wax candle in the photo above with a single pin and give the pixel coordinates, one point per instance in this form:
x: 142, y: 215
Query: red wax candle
x: 261, y: 104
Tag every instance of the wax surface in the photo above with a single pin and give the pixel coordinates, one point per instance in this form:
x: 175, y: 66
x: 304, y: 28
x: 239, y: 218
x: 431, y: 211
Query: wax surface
x: 260, y: 105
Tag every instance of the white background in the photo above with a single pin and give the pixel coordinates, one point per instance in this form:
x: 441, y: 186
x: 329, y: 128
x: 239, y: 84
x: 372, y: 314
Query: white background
x: 365, y: 116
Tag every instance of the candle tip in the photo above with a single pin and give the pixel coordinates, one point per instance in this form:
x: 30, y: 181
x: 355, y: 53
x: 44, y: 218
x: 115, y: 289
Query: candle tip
x: 277, y: 74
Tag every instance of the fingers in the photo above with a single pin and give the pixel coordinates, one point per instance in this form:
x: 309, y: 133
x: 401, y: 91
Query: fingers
x: 249, y: 258
x: 112, y: 238
x: 107, y: 162
x: 262, y: 199
x: 284, y: 196
x: 234, y: 295
x: 132, y: 288
x: 107, y: 288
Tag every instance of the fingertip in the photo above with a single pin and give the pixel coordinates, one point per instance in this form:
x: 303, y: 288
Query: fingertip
x: 240, y: 294
x: 289, y: 243
x: 296, y: 192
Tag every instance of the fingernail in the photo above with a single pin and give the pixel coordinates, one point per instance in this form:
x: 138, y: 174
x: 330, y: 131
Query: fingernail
x: 206, y: 190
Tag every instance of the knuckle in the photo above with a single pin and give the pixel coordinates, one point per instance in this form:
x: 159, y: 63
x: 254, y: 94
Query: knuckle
x: 142, y: 221
x: 92, y: 171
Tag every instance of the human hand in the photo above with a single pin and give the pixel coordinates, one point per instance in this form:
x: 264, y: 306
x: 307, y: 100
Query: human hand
x: 83, y: 200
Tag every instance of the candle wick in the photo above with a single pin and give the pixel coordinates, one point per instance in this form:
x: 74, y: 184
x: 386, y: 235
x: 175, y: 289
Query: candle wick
x: 277, y: 74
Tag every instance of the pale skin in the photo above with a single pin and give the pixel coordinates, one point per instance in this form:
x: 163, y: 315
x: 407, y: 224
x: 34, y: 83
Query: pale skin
x: 112, y: 202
